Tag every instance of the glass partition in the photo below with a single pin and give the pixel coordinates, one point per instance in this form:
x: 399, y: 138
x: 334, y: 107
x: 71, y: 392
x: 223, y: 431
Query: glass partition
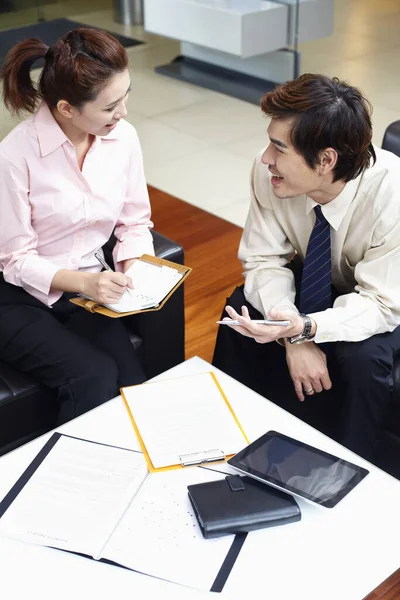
x: 293, y: 32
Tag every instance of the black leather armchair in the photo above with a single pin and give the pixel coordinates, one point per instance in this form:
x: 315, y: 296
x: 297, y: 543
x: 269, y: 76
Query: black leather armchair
x: 28, y: 409
x: 388, y: 451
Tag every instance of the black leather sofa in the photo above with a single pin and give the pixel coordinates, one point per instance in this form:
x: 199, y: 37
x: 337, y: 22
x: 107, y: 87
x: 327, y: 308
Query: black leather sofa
x: 388, y: 452
x: 28, y: 409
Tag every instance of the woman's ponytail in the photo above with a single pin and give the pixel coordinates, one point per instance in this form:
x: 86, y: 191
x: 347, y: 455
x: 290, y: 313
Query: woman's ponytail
x: 19, y: 92
x: 76, y: 69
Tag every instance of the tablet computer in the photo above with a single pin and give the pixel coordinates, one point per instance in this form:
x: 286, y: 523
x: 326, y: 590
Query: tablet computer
x: 299, y: 469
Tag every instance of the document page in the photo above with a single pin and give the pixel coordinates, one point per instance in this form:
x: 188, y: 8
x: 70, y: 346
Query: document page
x: 184, y: 416
x: 76, y: 496
x: 159, y: 534
x: 151, y: 284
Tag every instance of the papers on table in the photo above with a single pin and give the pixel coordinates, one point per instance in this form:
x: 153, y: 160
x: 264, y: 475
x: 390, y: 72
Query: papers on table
x: 101, y: 501
x: 184, y: 421
x: 78, y: 486
x: 168, y: 542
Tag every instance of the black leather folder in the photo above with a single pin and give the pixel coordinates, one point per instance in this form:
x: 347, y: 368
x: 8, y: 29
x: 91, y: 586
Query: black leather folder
x: 240, y: 504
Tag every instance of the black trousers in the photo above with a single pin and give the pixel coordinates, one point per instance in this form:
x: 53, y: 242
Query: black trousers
x: 84, y: 357
x: 353, y: 412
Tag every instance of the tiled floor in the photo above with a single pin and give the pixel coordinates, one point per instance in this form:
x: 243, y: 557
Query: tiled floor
x: 199, y: 145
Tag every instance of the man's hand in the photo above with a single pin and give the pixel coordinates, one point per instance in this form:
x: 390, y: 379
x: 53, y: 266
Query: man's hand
x: 106, y: 287
x: 307, y: 368
x: 263, y: 334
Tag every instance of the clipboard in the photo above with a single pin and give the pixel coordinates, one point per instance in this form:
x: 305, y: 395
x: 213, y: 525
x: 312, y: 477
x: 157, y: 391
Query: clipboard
x: 205, y: 456
x: 95, y: 307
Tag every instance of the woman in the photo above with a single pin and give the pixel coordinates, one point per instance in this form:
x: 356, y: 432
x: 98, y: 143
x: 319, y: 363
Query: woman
x: 69, y: 175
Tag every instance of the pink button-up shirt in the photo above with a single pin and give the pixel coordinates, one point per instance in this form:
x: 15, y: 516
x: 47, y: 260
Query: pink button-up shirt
x: 54, y: 216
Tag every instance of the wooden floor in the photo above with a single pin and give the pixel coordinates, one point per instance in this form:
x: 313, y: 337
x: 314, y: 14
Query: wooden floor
x: 389, y: 589
x: 210, y: 246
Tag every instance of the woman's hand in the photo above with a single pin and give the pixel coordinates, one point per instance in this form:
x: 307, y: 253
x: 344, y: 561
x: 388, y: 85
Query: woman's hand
x: 106, y: 287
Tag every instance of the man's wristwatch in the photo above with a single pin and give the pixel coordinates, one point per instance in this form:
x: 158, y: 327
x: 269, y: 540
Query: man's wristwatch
x: 305, y: 335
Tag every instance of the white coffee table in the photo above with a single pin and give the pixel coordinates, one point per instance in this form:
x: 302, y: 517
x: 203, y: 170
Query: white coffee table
x: 343, y: 552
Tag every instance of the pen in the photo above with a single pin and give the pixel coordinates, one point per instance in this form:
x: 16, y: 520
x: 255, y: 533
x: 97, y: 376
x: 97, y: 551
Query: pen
x: 277, y: 323
x: 107, y: 267
x: 102, y: 261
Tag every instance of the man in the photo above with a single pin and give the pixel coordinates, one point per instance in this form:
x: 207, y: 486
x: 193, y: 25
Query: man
x: 320, y: 248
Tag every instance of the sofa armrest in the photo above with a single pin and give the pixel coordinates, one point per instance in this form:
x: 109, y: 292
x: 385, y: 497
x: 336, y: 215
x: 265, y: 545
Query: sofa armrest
x: 391, y: 139
x: 20, y: 419
x: 163, y: 248
x: 166, y: 248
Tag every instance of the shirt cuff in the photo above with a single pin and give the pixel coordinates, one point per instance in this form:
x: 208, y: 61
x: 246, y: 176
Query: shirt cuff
x: 325, y: 330
x: 132, y: 247
x: 36, y: 277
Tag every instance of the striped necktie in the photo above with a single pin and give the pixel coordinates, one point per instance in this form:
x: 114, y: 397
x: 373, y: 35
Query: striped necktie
x: 316, y: 281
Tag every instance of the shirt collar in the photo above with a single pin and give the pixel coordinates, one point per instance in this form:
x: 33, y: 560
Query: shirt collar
x: 334, y: 212
x: 50, y: 134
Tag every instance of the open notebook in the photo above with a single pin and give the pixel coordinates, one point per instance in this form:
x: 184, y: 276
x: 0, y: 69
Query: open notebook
x: 101, y: 501
x: 154, y: 279
x: 152, y: 283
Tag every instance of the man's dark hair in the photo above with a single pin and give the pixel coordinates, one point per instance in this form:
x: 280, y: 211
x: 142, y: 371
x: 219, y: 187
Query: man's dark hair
x: 326, y: 113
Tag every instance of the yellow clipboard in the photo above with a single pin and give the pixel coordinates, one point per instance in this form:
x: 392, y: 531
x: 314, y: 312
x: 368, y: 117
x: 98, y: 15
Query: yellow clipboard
x: 141, y: 441
x: 95, y: 307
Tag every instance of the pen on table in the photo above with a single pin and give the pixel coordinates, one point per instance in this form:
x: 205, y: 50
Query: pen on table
x: 277, y: 323
x: 106, y: 266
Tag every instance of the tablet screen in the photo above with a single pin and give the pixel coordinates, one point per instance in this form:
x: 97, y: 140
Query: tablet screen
x: 299, y: 468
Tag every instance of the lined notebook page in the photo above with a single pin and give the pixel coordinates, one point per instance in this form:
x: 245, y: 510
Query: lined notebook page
x: 151, y: 284
x: 181, y: 417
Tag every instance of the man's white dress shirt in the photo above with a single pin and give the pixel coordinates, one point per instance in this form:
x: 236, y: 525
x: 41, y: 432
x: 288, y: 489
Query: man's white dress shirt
x: 365, y: 242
